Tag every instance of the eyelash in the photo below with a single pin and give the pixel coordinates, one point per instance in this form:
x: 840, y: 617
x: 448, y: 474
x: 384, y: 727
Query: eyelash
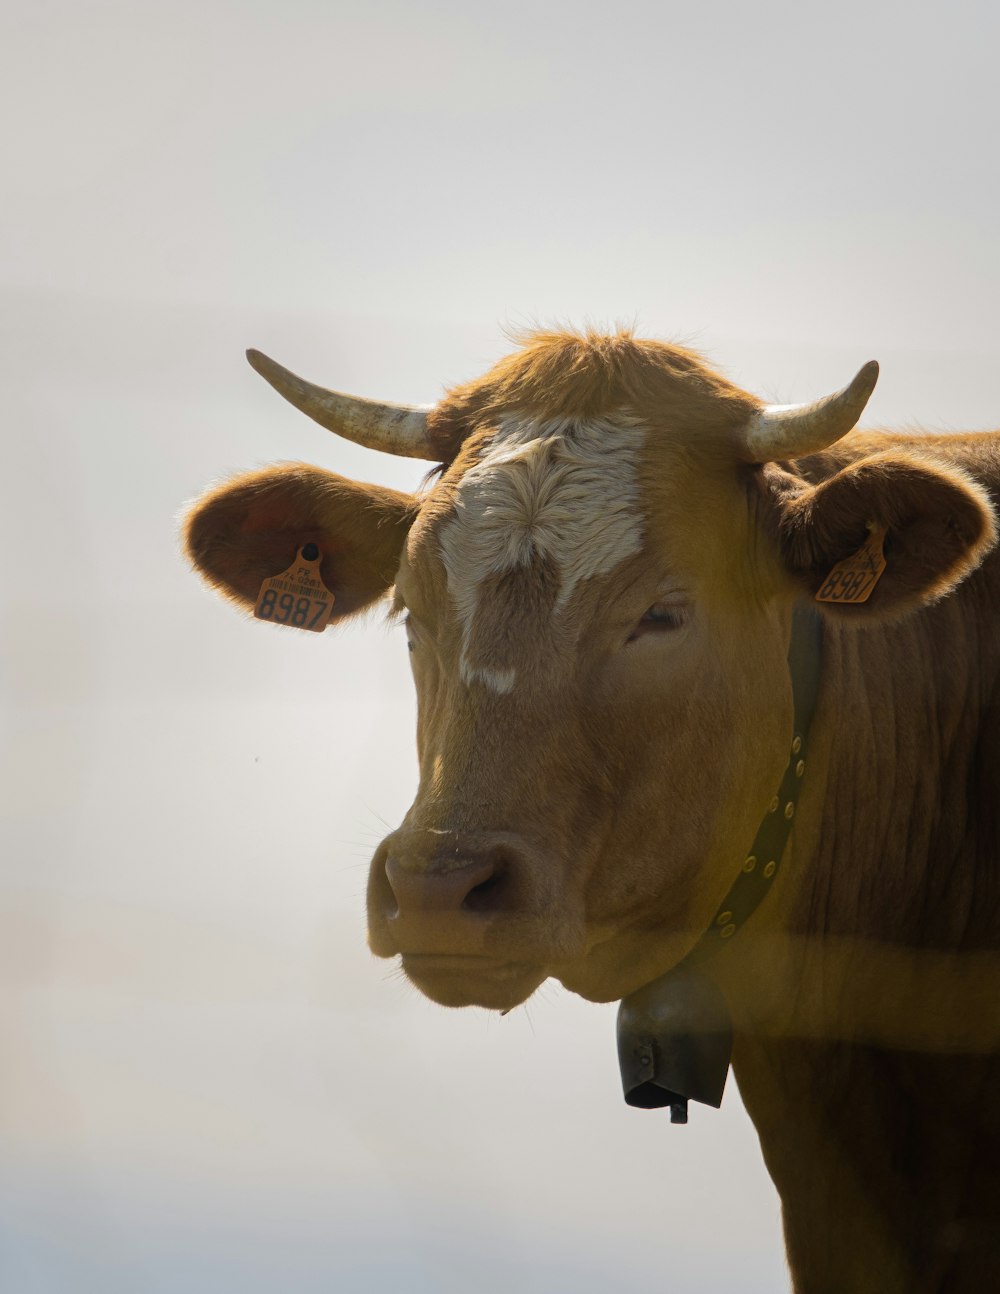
x: 660, y: 618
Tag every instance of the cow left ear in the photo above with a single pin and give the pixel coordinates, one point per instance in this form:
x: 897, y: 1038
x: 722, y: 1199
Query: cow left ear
x: 938, y: 522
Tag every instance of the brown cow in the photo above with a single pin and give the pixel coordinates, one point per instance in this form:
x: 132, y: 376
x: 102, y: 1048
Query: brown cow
x: 598, y: 589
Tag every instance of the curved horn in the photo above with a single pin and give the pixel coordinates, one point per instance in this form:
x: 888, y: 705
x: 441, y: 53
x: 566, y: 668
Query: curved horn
x: 794, y: 430
x: 392, y: 428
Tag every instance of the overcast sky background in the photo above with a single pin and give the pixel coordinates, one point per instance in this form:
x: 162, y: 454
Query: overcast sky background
x: 207, y: 1082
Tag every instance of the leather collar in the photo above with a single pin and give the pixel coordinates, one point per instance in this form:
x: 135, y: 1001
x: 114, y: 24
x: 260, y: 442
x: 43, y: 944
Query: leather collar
x: 674, y: 1034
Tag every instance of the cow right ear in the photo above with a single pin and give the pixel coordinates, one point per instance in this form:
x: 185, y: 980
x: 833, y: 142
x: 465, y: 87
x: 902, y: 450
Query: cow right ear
x: 251, y: 527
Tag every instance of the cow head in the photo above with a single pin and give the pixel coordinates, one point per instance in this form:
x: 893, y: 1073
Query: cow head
x: 597, y: 591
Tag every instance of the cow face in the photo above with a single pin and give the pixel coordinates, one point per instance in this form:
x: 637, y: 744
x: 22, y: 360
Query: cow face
x: 597, y: 592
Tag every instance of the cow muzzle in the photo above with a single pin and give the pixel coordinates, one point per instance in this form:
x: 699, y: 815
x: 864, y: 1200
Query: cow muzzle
x: 462, y: 911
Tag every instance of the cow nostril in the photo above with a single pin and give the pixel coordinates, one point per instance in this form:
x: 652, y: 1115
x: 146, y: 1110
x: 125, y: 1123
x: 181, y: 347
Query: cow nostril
x: 487, y: 896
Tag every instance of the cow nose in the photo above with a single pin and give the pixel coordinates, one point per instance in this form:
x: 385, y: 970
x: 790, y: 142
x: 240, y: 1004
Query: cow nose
x: 437, y: 892
x: 462, y: 885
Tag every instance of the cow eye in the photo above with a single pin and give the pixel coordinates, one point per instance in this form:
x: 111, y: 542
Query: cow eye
x: 662, y: 617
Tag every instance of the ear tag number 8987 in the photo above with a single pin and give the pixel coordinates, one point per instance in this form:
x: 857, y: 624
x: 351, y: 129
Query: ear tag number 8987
x: 297, y: 597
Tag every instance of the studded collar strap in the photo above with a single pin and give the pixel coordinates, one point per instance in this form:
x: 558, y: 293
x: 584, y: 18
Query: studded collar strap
x: 764, y: 859
x: 675, y: 1034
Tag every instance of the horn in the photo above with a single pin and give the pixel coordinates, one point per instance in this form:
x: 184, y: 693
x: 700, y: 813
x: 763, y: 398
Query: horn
x: 392, y: 428
x: 793, y: 430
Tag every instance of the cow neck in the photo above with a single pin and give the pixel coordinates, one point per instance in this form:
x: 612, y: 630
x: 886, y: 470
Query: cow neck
x: 675, y: 1034
x: 763, y: 861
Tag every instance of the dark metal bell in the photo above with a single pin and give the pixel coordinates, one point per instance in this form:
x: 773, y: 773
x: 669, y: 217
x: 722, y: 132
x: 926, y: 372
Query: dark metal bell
x: 675, y: 1039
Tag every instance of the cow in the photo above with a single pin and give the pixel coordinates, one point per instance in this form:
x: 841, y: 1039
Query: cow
x: 601, y: 581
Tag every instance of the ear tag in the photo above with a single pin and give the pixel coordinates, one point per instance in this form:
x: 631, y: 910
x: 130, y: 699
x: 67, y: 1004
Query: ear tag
x: 853, y: 579
x: 297, y: 597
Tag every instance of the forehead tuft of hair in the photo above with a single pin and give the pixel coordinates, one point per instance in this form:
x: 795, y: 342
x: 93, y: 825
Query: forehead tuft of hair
x: 556, y: 374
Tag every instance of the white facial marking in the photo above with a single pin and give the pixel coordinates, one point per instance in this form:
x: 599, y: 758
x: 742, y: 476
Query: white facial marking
x: 565, y: 490
x: 500, y: 681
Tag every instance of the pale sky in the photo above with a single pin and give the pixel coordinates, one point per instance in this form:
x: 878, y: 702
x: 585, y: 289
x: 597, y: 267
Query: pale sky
x: 208, y: 1084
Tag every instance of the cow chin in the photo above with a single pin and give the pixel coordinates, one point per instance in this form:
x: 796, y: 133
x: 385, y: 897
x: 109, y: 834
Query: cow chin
x: 454, y: 980
x: 616, y: 967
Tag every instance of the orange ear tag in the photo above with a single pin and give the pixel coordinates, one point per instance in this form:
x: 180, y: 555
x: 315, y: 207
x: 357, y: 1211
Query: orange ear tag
x: 853, y: 579
x: 297, y: 597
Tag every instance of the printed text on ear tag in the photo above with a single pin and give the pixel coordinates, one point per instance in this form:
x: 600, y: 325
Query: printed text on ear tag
x: 297, y: 597
x: 853, y: 579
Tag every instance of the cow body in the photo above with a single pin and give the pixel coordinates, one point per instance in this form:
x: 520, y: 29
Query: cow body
x: 598, y: 589
x: 867, y: 1054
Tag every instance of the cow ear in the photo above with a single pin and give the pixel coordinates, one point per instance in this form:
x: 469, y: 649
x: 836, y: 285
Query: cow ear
x: 938, y: 521
x: 251, y: 527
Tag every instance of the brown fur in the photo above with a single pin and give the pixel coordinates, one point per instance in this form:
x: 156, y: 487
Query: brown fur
x: 566, y: 375
x: 587, y: 824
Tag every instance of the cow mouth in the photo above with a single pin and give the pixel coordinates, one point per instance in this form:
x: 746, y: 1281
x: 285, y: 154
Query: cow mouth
x: 453, y: 979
